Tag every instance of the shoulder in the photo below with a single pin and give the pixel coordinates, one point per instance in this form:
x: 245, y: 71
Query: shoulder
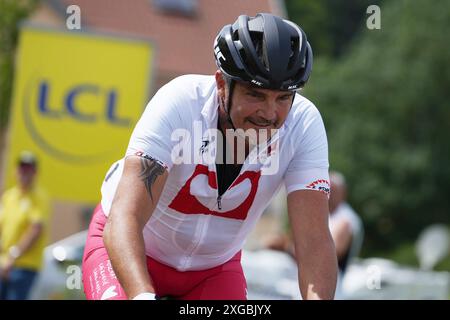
x: 303, y: 111
x: 10, y: 193
x: 304, y: 122
x: 40, y: 197
x: 346, y: 212
x: 182, y: 97
x: 350, y: 212
x: 190, y: 86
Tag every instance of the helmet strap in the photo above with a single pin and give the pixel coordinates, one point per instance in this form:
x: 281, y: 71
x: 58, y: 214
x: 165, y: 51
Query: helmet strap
x: 231, y: 84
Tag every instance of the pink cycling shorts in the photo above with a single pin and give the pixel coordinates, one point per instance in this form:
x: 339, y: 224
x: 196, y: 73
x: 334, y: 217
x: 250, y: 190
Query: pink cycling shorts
x: 224, y: 282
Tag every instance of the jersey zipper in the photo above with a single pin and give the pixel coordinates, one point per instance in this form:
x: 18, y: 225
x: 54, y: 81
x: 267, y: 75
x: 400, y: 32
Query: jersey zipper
x: 219, y: 202
x: 219, y: 197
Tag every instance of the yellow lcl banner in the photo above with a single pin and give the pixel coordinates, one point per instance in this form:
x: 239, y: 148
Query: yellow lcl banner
x: 77, y: 97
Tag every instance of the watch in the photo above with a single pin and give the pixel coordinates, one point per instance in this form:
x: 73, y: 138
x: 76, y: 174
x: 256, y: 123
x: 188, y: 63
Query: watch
x: 14, y: 252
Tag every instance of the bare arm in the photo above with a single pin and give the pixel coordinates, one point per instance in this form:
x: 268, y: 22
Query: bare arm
x: 26, y: 242
x: 136, y: 197
x: 30, y: 237
x: 314, y: 247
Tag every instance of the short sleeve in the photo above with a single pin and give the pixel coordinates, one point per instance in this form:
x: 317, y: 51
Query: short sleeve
x: 152, y: 135
x: 308, y: 169
x: 41, y: 210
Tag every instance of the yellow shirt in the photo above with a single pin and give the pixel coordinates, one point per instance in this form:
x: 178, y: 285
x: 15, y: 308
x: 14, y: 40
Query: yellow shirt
x: 17, y: 212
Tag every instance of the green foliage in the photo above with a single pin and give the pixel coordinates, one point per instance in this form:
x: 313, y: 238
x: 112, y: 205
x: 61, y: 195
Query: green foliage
x: 385, y: 106
x: 404, y: 254
x: 11, y: 13
x: 443, y: 265
x: 329, y: 24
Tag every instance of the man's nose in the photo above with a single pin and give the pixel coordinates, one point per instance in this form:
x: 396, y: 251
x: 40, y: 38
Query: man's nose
x: 269, y: 111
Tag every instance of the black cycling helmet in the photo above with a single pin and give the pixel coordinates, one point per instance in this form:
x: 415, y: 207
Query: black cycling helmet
x: 266, y: 51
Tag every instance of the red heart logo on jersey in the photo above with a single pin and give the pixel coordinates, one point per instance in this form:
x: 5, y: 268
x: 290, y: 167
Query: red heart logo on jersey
x: 185, y: 202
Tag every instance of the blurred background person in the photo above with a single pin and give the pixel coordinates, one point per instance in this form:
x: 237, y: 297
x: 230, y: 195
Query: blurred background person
x: 24, y: 215
x: 345, y: 226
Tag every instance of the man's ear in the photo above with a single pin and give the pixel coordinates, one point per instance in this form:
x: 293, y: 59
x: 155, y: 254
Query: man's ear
x: 221, y: 85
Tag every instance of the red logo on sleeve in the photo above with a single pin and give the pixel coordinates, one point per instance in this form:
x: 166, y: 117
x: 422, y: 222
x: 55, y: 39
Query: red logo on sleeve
x: 321, y: 185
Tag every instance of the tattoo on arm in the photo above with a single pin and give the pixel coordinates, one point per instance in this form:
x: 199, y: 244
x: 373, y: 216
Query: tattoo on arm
x: 150, y: 170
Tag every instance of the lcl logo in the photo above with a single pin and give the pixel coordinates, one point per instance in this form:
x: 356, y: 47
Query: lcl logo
x: 71, y: 108
x: 73, y: 112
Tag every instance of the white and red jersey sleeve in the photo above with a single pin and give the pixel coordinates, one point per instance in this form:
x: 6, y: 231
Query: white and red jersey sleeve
x: 308, y: 168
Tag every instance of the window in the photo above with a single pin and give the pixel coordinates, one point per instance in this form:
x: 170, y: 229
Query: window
x: 183, y: 7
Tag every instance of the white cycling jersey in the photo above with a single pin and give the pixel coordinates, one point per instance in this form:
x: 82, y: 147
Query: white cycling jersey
x: 192, y: 228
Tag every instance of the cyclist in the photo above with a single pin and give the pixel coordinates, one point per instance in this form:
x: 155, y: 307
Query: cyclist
x: 175, y: 212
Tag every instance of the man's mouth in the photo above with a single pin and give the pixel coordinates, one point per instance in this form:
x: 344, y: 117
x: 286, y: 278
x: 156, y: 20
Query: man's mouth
x: 261, y: 124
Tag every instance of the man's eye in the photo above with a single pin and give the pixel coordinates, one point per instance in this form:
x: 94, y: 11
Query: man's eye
x: 287, y: 97
x: 253, y: 94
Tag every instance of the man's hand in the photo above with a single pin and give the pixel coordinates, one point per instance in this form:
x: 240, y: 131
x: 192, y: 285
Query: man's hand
x: 27, y: 240
x: 6, y: 268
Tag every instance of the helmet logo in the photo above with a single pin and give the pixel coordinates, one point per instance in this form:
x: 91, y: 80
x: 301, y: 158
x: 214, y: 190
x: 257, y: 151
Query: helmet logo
x: 292, y: 87
x: 219, y: 54
x: 256, y: 82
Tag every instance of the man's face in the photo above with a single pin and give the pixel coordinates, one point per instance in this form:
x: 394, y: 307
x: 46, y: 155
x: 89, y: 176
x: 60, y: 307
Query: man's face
x: 26, y: 173
x: 256, y: 108
x: 259, y: 109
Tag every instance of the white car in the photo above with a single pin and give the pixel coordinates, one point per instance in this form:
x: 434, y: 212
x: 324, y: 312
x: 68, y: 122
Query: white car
x: 60, y: 277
